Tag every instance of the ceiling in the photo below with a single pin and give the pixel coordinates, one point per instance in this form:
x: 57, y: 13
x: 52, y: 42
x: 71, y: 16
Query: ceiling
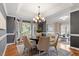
x: 27, y: 11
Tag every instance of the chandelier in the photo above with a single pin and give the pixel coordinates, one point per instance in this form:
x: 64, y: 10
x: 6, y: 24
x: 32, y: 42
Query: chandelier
x: 38, y: 18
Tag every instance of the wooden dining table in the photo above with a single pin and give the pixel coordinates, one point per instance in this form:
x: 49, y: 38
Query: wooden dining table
x: 35, y: 39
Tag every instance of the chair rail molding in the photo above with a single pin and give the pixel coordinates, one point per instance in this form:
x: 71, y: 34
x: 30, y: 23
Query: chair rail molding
x: 77, y: 35
x: 3, y: 36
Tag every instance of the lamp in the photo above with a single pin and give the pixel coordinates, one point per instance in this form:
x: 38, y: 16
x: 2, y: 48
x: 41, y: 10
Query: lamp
x: 38, y: 18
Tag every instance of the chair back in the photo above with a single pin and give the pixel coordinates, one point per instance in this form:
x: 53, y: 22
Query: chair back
x: 56, y: 38
x: 43, y: 44
x: 27, y: 42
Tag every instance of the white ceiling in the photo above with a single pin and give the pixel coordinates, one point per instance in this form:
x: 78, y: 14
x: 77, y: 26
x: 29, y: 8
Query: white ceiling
x: 29, y: 10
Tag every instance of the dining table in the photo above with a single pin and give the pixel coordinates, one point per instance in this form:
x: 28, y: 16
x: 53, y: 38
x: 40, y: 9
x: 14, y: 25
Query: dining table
x: 35, y: 39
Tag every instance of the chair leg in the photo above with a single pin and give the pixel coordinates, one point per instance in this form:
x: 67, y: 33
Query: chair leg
x: 39, y: 53
x: 56, y: 51
x: 48, y: 53
x: 24, y: 51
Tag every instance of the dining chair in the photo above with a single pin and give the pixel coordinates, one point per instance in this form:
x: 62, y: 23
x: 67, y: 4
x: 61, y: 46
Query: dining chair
x: 27, y: 45
x: 54, y: 43
x: 43, y: 44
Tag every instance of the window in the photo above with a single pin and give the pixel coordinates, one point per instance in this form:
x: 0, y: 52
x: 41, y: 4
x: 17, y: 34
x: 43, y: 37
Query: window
x: 50, y: 29
x: 25, y: 29
x: 65, y: 29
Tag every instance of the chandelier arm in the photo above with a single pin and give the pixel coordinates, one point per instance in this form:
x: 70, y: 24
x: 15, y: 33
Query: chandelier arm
x: 38, y: 17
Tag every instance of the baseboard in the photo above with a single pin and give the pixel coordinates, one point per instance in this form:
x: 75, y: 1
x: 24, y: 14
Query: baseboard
x: 6, y: 48
x: 7, y: 43
x: 74, y: 48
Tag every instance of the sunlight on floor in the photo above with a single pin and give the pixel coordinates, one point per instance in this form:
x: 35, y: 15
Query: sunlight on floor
x: 64, y: 46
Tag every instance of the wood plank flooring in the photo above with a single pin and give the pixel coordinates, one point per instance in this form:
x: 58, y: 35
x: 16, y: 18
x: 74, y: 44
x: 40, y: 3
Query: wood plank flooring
x: 74, y: 52
x: 12, y: 51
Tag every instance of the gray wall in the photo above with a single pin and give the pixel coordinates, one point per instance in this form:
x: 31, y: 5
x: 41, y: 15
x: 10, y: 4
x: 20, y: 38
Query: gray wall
x: 2, y: 32
x: 10, y: 29
x: 74, y: 41
x: 10, y: 24
x: 74, y: 22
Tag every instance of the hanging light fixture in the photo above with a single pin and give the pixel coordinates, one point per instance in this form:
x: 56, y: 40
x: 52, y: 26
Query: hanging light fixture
x: 38, y: 18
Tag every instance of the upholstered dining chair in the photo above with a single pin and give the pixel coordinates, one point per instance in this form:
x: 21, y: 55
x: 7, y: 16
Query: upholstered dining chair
x: 54, y: 43
x: 27, y: 45
x: 43, y: 44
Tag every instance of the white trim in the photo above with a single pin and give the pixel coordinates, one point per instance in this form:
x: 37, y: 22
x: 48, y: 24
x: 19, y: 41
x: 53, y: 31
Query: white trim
x: 74, y: 48
x: 10, y: 33
x: 74, y: 35
x: 3, y: 36
x: 4, y: 50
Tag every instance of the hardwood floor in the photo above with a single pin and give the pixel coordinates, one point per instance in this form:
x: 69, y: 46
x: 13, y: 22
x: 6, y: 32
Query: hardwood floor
x: 74, y: 52
x: 12, y: 51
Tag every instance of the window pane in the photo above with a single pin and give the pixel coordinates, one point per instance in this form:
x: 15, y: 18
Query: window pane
x: 26, y: 29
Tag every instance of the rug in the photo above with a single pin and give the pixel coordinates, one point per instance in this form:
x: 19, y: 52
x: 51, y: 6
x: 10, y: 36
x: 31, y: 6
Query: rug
x: 61, y: 52
x: 53, y: 52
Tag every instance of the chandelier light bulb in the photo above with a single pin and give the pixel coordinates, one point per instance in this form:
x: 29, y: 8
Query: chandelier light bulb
x: 43, y: 19
x: 33, y: 19
x: 39, y: 18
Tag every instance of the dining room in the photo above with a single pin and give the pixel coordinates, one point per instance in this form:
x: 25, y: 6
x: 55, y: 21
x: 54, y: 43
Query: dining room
x: 36, y: 29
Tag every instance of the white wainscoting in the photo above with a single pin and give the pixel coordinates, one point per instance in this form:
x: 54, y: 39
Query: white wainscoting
x: 77, y: 35
x: 2, y: 38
